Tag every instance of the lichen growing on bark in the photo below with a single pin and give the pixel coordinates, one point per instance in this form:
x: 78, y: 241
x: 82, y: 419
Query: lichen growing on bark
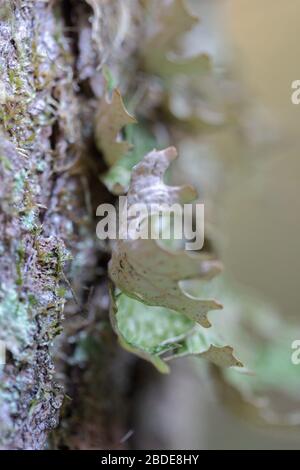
x: 36, y: 135
x: 53, y: 55
x: 49, y: 89
x: 33, y: 253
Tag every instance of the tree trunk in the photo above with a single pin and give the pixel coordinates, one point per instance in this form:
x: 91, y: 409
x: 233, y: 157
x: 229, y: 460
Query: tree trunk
x: 50, y: 57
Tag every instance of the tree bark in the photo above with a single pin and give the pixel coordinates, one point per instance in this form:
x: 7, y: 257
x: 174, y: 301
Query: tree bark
x: 53, y: 295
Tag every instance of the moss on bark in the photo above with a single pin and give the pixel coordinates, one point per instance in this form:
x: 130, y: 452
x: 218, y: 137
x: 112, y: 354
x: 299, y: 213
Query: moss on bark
x: 49, y: 256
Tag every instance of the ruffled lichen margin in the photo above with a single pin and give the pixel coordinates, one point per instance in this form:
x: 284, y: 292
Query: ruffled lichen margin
x: 53, y: 292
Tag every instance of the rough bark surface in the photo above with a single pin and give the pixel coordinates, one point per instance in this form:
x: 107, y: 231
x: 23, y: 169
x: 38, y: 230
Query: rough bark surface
x: 50, y: 52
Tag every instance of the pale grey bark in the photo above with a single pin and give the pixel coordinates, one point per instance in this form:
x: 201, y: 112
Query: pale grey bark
x: 49, y: 55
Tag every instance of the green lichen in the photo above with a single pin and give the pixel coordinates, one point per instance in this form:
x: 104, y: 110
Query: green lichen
x: 141, y: 141
x: 16, y: 321
x: 19, y: 183
x: 29, y: 220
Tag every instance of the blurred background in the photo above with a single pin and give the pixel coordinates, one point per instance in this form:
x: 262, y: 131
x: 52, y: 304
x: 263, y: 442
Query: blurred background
x: 214, y: 78
x: 243, y: 158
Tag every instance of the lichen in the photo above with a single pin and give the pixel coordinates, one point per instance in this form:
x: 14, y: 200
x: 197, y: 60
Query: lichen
x: 15, y: 322
x: 33, y: 61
